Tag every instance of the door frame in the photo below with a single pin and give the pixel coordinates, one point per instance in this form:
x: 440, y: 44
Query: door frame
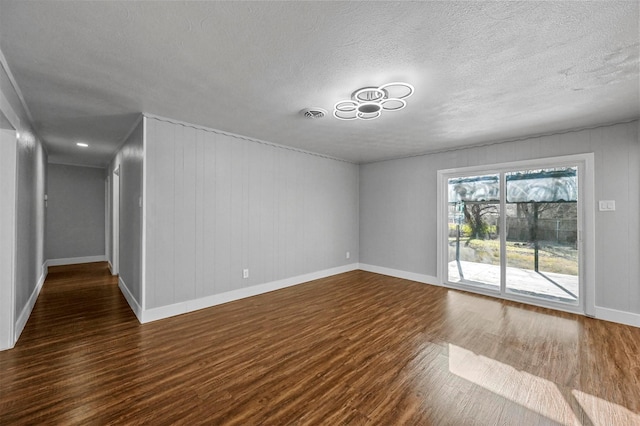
x: 586, y: 227
x: 115, y: 221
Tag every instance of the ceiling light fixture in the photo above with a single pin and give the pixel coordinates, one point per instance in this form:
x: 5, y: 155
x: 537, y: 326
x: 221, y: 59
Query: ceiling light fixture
x: 369, y: 102
x: 84, y: 145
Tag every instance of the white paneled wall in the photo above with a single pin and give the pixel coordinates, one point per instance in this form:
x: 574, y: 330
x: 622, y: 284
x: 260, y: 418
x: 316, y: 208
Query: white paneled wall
x: 27, y: 176
x: 30, y: 269
x: 398, y: 222
x: 217, y: 204
x: 129, y: 160
x: 8, y: 156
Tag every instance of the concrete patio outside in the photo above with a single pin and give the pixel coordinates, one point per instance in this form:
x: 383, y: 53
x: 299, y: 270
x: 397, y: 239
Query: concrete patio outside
x: 547, y: 285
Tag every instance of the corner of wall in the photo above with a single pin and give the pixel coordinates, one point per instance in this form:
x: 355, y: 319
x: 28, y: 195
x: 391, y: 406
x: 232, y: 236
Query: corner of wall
x: 24, y: 315
x: 133, y: 303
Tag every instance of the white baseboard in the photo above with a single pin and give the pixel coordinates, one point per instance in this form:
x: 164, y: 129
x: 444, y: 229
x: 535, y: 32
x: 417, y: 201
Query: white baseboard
x: 110, y: 267
x: 21, y: 322
x: 621, y: 317
x: 411, y: 276
x: 76, y: 260
x: 133, y: 303
x: 167, y: 311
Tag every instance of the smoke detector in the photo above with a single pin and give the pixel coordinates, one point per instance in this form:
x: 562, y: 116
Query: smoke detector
x: 313, y: 113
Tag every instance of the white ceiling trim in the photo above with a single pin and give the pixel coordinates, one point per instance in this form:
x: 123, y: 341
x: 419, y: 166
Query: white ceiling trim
x: 8, y: 112
x: 15, y: 86
x: 62, y: 163
x: 246, y: 138
x: 503, y: 141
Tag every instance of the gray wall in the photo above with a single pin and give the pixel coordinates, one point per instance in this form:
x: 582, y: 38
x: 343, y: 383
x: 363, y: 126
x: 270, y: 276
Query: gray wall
x: 75, y: 212
x: 398, y: 205
x: 130, y: 160
x: 217, y: 204
x: 8, y: 156
x: 30, y: 214
x: 28, y: 201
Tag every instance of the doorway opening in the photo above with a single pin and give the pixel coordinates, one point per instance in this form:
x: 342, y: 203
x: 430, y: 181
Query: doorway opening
x: 115, y: 228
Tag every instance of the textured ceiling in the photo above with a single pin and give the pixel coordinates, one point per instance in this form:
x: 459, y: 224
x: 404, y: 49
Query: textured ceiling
x: 483, y: 71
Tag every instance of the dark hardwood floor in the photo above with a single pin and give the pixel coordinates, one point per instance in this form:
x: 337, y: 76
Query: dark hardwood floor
x: 356, y: 348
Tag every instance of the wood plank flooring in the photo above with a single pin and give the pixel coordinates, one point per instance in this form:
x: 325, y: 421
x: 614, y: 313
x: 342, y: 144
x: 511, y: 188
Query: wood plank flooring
x: 356, y: 348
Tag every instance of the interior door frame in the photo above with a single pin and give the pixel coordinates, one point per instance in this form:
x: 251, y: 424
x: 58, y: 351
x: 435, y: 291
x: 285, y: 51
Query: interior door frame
x: 115, y: 220
x: 586, y: 227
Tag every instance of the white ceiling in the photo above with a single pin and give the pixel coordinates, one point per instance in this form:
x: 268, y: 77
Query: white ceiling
x: 483, y: 71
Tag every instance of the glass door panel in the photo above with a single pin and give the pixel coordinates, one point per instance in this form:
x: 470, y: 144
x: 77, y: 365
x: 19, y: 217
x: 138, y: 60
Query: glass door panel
x: 541, y: 234
x: 474, y: 238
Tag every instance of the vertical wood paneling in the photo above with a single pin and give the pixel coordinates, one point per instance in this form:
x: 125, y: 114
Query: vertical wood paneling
x: 130, y: 160
x: 7, y: 234
x: 300, y: 216
x: 267, y: 250
x: 221, y: 204
x: 595, y: 137
x: 31, y: 162
x: 208, y: 233
x: 612, y: 225
x: 223, y: 214
x: 180, y: 217
x: 633, y: 200
x: 308, y: 179
x: 242, y: 177
x: 331, y: 239
x: 237, y: 215
x: 253, y: 237
x: 185, y: 229
x: 279, y: 190
x: 151, y: 219
x: 261, y: 214
x: 200, y: 200
x: 164, y: 181
x: 351, y: 239
x: 286, y: 226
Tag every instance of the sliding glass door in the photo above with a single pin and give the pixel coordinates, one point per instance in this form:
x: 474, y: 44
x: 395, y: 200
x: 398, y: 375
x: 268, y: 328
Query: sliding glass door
x: 474, y: 239
x: 514, y: 231
x: 542, y: 233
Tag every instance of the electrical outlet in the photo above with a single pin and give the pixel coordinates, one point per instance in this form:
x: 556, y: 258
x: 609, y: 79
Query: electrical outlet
x: 348, y: 255
x: 245, y: 273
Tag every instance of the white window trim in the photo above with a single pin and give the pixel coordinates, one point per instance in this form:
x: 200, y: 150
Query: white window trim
x: 586, y: 226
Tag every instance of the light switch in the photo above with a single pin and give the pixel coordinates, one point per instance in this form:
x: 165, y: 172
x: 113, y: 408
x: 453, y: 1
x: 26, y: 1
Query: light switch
x: 607, y: 205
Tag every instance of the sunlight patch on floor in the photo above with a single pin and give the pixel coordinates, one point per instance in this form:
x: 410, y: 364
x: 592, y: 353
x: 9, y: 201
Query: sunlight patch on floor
x: 535, y: 393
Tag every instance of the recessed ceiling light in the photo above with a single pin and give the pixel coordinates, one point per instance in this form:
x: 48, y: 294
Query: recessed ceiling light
x: 369, y: 102
x: 82, y: 144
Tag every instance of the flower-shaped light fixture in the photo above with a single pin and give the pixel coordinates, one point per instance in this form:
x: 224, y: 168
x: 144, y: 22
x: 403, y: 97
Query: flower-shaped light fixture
x: 369, y: 102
